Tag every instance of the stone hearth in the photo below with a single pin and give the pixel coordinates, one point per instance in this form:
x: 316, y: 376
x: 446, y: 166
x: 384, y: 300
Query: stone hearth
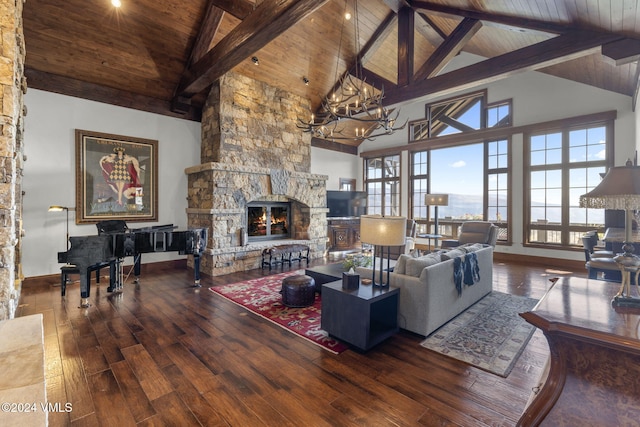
x: 253, y: 151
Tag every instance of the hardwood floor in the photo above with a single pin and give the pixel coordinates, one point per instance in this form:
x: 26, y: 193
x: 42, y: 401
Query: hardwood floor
x: 165, y: 353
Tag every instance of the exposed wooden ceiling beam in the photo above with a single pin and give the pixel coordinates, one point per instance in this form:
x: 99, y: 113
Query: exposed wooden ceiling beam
x: 406, y: 42
x: 435, y: 27
x: 208, y: 29
x: 238, y: 8
x: 549, y: 52
x: 107, y: 95
x: 512, y: 21
x: 448, y: 49
x: 334, y: 146
x: 622, y: 51
x: 268, y: 21
x: 378, y: 37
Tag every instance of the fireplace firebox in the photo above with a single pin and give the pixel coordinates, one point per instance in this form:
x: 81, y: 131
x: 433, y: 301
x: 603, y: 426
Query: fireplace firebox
x: 268, y: 220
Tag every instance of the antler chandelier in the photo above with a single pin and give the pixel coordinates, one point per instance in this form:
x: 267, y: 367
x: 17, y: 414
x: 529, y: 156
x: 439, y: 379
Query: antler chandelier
x: 354, y: 100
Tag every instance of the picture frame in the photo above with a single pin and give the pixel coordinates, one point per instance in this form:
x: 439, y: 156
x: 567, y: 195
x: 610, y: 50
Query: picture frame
x: 116, y: 178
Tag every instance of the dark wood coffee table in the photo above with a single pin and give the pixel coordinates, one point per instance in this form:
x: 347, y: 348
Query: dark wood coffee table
x: 330, y: 272
x: 325, y: 273
x: 362, y: 317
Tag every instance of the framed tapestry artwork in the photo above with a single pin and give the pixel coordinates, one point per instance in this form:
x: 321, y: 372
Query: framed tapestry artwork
x: 116, y: 178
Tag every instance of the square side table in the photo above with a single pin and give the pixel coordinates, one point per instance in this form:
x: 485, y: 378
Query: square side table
x: 363, y: 317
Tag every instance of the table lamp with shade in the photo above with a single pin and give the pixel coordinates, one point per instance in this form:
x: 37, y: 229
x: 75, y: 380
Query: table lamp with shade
x: 381, y: 232
x: 620, y: 189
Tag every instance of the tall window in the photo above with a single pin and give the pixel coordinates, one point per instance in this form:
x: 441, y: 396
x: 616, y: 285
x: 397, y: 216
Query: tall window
x: 466, y: 113
x: 382, y: 183
x: 475, y: 176
x: 497, y: 181
x: 563, y: 164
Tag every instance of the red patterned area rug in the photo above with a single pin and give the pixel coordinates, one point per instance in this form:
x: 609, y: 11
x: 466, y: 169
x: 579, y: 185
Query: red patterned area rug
x: 262, y: 297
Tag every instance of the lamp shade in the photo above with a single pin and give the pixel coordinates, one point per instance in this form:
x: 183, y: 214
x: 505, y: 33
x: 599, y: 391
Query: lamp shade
x: 436, y: 199
x: 619, y: 189
x: 383, y: 230
x: 57, y: 208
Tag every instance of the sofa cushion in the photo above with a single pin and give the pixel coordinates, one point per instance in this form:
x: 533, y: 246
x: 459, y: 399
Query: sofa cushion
x: 453, y: 253
x: 414, y: 266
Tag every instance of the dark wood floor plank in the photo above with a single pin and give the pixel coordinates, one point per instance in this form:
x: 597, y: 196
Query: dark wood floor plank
x: 56, y: 394
x: 202, y: 409
x: 106, y: 396
x: 93, y: 358
x: 108, y: 344
x: 192, y: 368
x: 171, y: 408
x: 149, y: 375
x: 174, y: 355
x: 75, y: 380
x: 149, y: 340
x: 121, y: 332
x: 134, y: 396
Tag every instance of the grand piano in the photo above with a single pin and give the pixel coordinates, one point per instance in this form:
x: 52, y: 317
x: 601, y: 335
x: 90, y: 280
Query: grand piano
x: 115, y: 241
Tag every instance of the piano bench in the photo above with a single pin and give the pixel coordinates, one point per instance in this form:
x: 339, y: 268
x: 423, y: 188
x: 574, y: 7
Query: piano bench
x: 68, y: 269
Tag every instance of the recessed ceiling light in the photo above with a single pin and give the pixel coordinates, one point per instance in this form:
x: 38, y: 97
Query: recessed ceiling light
x: 116, y: 3
x: 347, y: 16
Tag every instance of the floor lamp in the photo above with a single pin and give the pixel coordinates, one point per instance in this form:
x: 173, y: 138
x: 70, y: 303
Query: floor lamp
x: 382, y: 231
x: 57, y: 208
x: 620, y: 189
x: 436, y: 200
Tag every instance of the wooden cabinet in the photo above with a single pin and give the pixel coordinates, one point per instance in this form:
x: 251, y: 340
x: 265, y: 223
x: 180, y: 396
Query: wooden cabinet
x: 344, y: 234
x: 594, y: 374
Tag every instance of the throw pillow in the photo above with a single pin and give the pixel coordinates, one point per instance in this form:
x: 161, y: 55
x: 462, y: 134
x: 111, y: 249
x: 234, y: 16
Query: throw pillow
x: 414, y: 266
x: 453, y: 253
x: 471, y: 247
x: 400, y: 267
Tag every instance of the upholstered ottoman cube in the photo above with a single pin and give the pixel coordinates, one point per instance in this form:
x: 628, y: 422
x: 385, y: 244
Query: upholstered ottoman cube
x: 298, y: 291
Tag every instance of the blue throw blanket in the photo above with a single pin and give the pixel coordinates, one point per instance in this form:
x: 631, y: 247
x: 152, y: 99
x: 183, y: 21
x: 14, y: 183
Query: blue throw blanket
x: 465, y: 270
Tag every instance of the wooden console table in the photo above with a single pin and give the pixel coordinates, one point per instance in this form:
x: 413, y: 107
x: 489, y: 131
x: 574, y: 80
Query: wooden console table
x: 594, y: 367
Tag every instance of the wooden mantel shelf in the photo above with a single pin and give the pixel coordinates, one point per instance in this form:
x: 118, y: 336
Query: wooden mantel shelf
x: 594, y: 370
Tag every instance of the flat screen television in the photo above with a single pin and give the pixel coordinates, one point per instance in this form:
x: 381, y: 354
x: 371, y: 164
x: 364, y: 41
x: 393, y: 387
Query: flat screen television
x: 346, y: 203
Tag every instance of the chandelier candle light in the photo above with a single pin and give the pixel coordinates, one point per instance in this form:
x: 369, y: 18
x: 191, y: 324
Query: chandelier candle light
x: 353, y: 99
x: 382, y: 231
x: 620, y: 189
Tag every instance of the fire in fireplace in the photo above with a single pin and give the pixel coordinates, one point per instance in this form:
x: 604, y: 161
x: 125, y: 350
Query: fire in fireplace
x: 268, y: 220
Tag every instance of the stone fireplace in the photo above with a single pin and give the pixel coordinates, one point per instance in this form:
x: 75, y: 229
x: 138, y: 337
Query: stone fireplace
x: 268, y: 220
x: 252, y: 155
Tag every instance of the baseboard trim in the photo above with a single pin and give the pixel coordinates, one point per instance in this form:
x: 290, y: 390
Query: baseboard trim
x: 54, y: 279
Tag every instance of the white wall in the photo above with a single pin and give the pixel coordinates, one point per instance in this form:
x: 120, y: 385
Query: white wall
x: 49, y: 173
x: 335, y: 165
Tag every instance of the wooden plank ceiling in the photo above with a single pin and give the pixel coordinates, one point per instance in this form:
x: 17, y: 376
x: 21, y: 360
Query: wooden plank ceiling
x: 162, y: 55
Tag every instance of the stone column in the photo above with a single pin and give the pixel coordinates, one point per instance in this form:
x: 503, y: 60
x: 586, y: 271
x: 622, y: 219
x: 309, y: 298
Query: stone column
x: 12, y: 88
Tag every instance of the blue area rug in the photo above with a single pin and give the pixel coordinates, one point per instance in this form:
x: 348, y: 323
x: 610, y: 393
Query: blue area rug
x: 489, y: 335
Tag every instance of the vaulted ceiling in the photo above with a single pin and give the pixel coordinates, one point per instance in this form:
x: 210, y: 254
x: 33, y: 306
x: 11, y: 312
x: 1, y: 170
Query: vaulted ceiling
x: 162, y: 55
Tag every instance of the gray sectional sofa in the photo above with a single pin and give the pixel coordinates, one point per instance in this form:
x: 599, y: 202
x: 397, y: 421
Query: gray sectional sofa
x: 428, y: 294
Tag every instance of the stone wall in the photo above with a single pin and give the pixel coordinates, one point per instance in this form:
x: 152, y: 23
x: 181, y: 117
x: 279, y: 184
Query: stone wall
x: 12, y: 88
x: 247, y: 122
x: 253, y: 151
